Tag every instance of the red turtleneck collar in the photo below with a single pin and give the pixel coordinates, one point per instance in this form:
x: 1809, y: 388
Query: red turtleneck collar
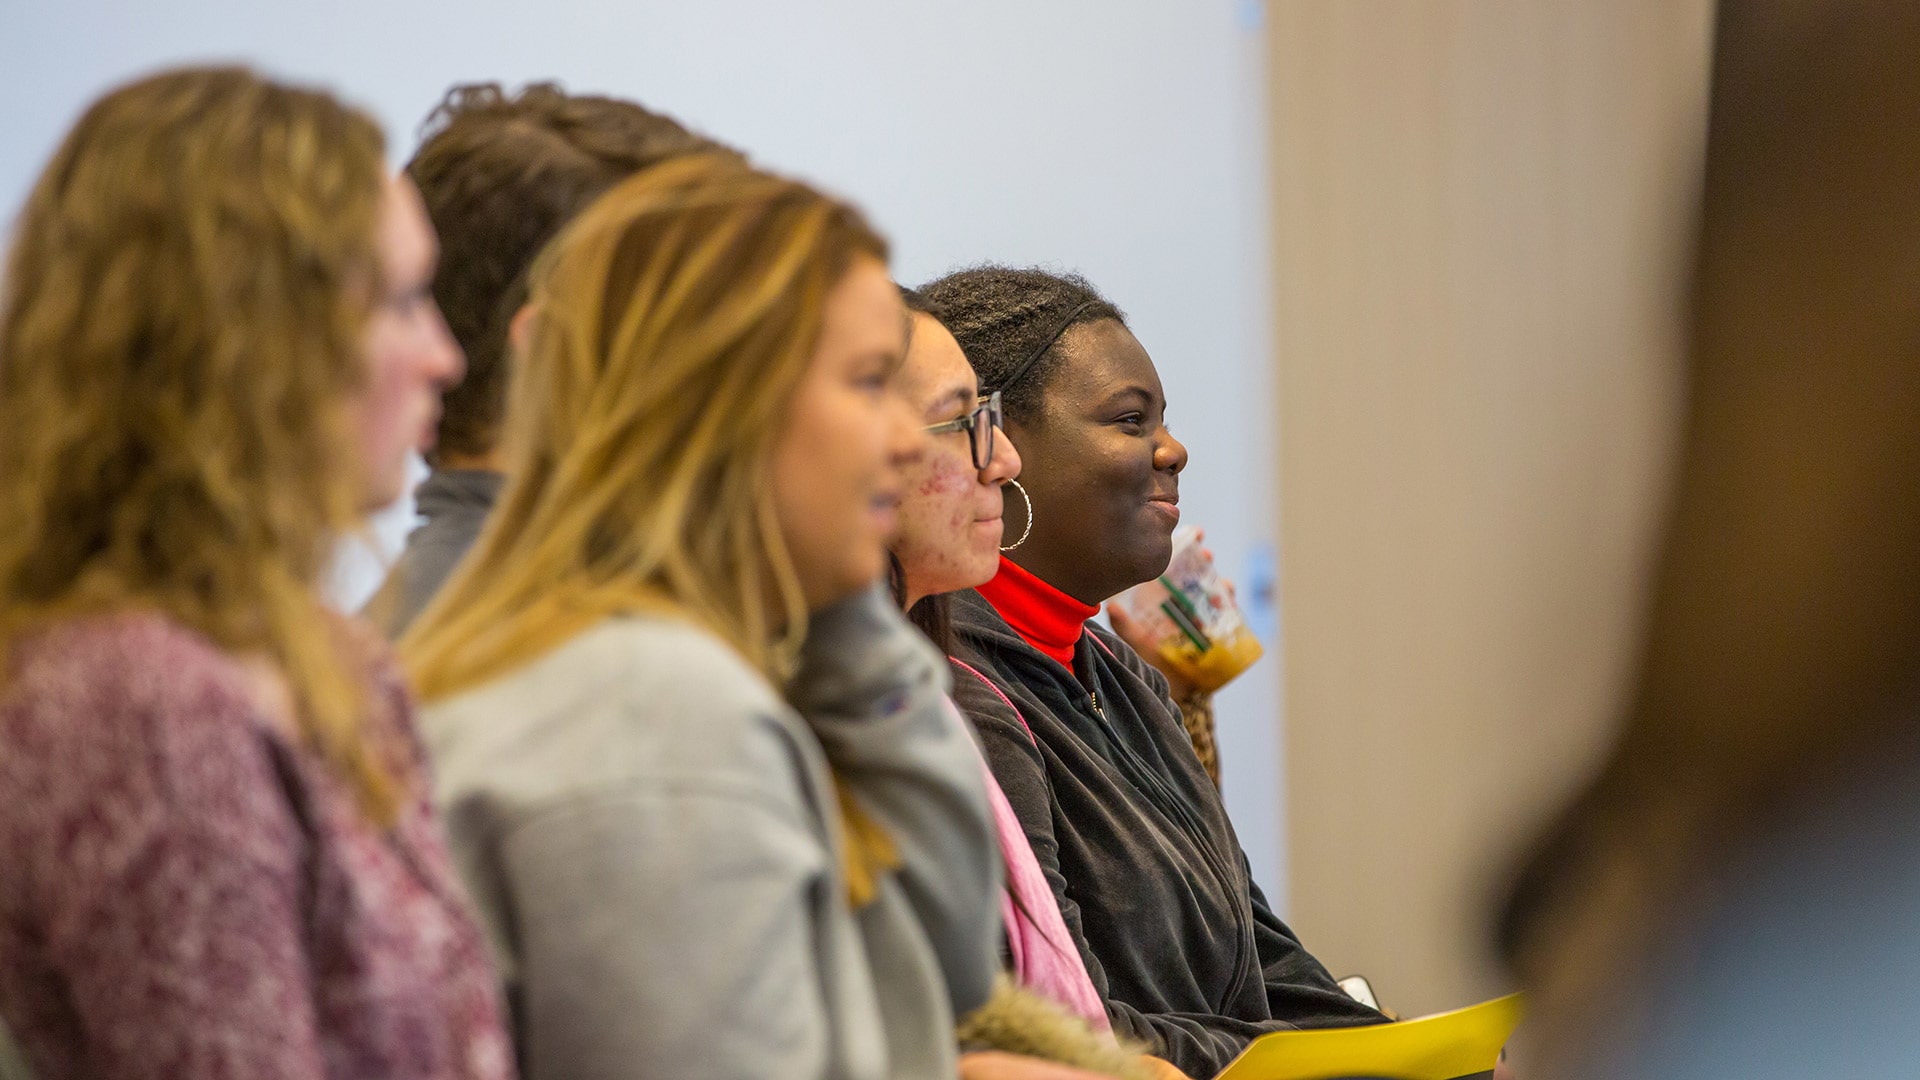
x: 1049, y: 619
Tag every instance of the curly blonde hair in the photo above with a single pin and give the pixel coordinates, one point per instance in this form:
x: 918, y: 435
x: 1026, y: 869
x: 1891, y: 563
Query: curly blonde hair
x: 184, y: 312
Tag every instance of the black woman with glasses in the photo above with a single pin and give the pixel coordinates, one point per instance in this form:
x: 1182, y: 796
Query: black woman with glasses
x: 1082, y: 734
x: 949, y: 541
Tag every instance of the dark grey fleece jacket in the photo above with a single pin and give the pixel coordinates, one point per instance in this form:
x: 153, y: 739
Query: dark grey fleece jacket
x: 1136, y: 842
x: 455, y: 503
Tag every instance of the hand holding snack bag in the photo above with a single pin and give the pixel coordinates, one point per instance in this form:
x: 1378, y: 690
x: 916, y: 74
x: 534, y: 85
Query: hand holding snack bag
x: 1186, y: 622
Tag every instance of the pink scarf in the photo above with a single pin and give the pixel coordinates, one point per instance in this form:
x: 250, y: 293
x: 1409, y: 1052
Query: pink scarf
x: 1045, y: 958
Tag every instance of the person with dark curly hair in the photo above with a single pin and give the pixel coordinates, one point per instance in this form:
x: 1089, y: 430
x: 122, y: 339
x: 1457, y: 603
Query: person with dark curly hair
x: 1082, y: 734
x: 501, y: 173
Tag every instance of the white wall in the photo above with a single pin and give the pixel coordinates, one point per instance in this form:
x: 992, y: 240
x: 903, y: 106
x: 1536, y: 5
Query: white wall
x: 1122, y: 138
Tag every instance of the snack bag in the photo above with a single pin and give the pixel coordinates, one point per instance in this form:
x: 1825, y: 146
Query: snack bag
x: 1190, y: 614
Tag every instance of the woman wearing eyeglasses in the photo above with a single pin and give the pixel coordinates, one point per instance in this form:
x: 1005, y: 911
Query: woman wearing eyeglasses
x: 1082, y: 734
x: 949, y: 541
x: 950, y: 517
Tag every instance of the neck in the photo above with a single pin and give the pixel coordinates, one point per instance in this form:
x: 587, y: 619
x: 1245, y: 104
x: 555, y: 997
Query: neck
x: 1061, y: 579
x: 913, y: 590
x: 1050, y: 620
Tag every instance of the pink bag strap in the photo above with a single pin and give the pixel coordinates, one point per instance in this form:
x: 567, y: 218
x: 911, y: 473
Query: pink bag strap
x: 1111, y: 655
x: 999, y: 693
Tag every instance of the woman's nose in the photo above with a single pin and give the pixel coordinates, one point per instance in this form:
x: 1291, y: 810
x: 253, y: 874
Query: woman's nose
x: 1170, y: 454
x: 1006, y: 460
x: 447, y: 362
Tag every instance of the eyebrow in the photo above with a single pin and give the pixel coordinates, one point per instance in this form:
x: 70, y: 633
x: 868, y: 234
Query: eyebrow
x: 955, y: 395
x: 1135, y: 391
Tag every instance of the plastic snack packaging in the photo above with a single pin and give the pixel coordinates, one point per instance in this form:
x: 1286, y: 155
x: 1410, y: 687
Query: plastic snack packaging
x: 1190, y: 615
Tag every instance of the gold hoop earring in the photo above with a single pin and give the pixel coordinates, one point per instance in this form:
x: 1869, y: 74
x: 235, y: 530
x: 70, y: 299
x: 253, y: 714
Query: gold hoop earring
x: 1028, y: 531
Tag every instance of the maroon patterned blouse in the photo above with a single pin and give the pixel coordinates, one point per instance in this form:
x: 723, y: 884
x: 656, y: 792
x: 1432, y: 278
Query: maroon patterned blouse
x: 186, y: 892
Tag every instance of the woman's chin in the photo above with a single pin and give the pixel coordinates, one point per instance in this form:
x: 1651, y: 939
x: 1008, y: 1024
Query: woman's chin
x: 830, y: 583
x: 961, y: 574
x: 983, y: 569
x: 1154, y: 559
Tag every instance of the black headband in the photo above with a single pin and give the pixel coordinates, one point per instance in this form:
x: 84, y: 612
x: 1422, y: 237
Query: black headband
x: 1020, y: 369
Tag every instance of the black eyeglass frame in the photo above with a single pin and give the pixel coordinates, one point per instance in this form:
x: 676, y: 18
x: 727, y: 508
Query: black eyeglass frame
x: 979, y: 424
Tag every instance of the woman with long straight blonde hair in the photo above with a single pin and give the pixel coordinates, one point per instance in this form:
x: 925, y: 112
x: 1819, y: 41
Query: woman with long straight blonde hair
x: 216, y: 350
x: 699, y: 770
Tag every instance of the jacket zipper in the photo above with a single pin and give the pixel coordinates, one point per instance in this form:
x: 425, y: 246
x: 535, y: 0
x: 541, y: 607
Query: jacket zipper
x: 1176, y: 807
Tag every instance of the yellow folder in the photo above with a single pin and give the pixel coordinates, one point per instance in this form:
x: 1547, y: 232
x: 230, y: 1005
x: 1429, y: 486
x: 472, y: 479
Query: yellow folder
x: 1438, y: 1047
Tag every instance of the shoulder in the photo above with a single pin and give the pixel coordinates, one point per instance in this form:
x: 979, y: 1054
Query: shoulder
x: 990, y: 705
x: 442, y: 539
x: 975, y: 618
x: 977, y: 685
x: 635, y: 702
x: 1117, y: 652
x: 123, y: 727
x: 82, y: 643
x: 667, y: 661
x: 112, y: 679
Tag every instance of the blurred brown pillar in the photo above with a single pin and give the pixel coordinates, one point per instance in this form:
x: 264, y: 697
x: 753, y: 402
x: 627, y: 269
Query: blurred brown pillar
x: 1481, y: 211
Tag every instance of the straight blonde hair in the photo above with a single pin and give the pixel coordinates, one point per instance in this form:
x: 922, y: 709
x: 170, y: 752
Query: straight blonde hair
x: 674, y: 321
x: 185, y: 303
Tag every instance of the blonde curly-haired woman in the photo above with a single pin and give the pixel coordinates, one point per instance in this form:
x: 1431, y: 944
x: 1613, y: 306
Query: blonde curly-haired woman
x: 217, y: 349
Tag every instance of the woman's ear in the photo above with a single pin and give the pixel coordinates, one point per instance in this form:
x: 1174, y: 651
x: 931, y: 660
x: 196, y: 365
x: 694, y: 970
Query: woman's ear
x: 520, y: 329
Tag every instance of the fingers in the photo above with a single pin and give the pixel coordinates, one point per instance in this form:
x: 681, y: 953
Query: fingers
x: 1164, y: 1070
x: 996, y: 1065
x: 1128, y: 630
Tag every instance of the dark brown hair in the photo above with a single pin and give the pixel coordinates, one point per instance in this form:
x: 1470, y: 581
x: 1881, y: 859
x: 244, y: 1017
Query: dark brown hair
x: 1009, y: 322
x: 1783, y: 640
x: 500, y: 175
